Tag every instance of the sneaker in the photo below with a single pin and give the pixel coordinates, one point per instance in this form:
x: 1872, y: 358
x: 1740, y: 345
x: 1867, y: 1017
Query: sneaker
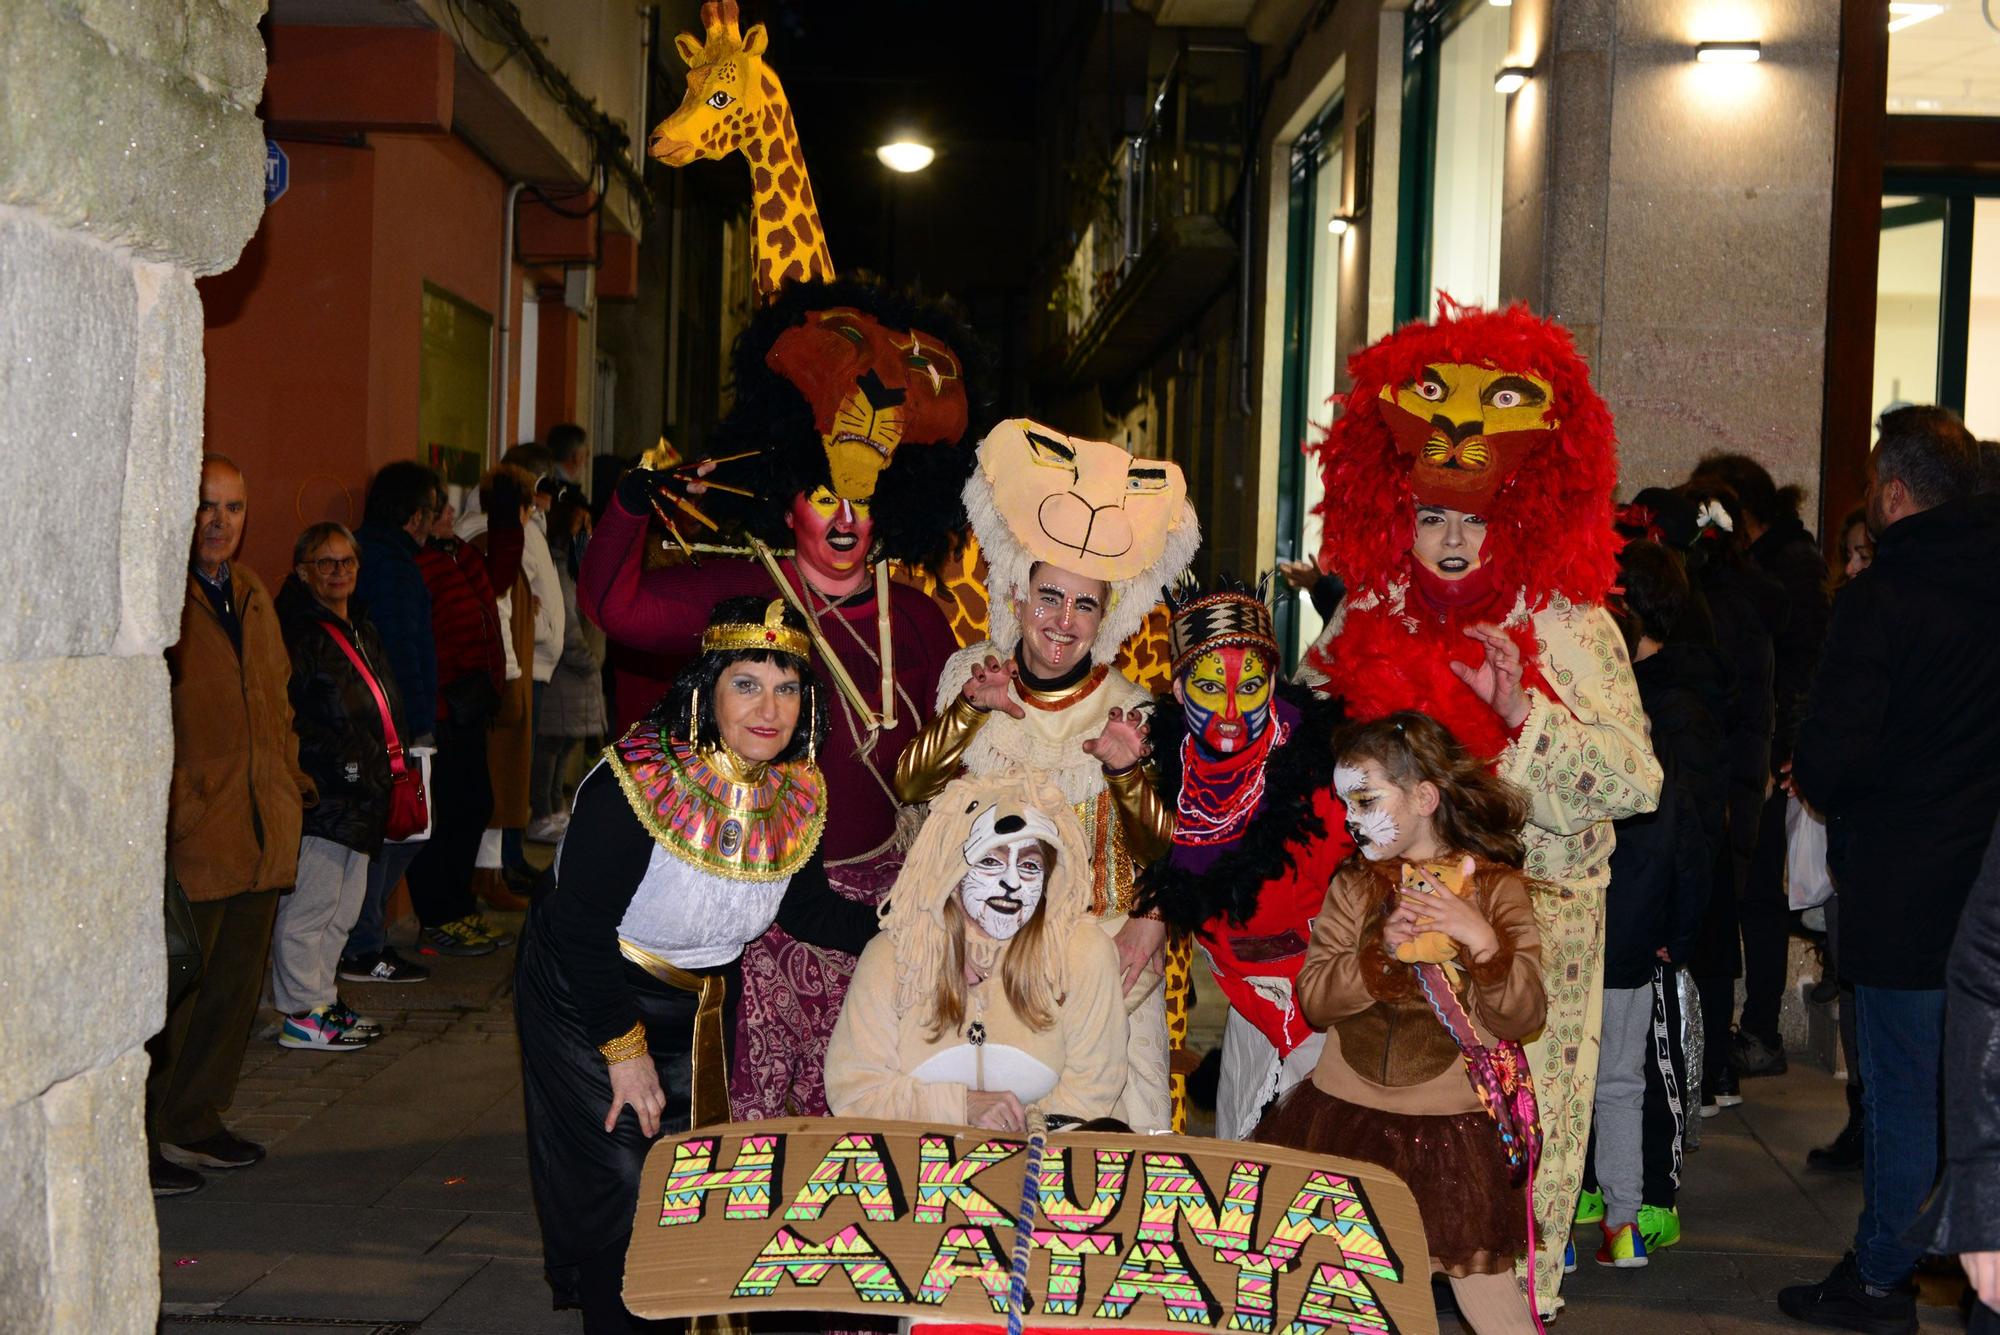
x: 1660, y: 1226
x: 1727, y: 1093
x: 317, y: 1029
x: 385, y: 966
x: 1569, y: 1258
x: 548, y: 830
x: 221, y: 1150
x: 1590, y: 1207
x: 1843, y: 1155
x: 170, y: 1179
x: 1623, y: 1247
x: 1752, y: 1056
x: 1842, y: 1302
x: 499, y: 936
x: 455, y: 938
x: 361, y: 1026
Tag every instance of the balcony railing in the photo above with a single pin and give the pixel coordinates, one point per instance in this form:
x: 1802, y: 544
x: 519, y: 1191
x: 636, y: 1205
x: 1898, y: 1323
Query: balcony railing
x: 1165, y: 192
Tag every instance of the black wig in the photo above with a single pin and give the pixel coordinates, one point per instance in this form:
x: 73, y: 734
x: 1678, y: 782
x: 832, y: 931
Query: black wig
x: 917, y: 507
x: 693, y: 690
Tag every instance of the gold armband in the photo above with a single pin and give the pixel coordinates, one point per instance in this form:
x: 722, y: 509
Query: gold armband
x: 625, y: 1047
x: 933, y: 757
x: 1147, y: 821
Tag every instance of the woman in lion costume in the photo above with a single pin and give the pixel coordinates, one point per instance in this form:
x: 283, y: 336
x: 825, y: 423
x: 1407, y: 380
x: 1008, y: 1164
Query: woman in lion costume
x: 1468, y: 509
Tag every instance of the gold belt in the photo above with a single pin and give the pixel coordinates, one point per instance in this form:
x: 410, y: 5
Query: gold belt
x: 708, y: 1101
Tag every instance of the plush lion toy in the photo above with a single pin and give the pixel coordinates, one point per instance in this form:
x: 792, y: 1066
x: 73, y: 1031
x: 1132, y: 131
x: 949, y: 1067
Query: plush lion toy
x: 1543, y: 487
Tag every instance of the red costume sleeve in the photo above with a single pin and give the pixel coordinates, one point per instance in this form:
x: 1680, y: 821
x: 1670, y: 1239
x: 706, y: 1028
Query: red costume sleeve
x: 1284, y: 907
x: 658, y: 611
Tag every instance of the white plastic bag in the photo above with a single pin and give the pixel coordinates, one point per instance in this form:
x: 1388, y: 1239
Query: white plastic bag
x: 1808, y: 884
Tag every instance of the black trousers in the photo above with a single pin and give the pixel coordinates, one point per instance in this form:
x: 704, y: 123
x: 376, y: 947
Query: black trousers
x: 1766, y: 917
x: 461, y: 803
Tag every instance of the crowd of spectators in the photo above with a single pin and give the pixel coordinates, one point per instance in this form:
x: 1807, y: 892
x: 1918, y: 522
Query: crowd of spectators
x: 401, y: 713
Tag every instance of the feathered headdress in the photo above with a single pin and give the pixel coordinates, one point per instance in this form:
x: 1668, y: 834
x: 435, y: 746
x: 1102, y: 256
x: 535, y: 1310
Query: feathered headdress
x: 1548, y: 527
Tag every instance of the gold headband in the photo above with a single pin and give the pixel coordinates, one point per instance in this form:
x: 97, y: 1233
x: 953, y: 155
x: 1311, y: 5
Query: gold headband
x: 773, y: 634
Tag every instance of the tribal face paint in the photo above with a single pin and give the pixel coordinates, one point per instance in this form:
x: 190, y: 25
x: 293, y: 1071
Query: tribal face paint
x: 1227, y: 694
x: 1380, y: 816
x: 1059, y: 617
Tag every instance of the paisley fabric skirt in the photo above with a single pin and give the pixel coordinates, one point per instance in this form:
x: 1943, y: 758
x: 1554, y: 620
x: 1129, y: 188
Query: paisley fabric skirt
x: 791, y: 997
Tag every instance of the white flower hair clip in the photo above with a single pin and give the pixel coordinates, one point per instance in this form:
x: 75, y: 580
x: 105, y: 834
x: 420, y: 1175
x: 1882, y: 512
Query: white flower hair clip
x: 1712, y: 515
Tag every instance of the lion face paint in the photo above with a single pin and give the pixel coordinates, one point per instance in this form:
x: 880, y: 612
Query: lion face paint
x: 1379, y: 819
x: 1227, y: 695
x: 871, y: 389
x: 1006, y: 869
x: 1467, y: 428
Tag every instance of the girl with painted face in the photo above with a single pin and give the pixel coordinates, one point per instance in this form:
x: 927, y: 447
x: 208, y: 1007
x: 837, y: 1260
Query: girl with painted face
x: 1425, y: 971
x: 991, y: 993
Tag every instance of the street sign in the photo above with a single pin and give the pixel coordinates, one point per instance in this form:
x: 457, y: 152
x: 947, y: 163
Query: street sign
x: 277, y: 172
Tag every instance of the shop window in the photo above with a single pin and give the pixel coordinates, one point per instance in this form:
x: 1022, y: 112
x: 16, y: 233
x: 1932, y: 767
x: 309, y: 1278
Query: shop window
x: 1944, y: 58
x: 454, y: 385
x: 1937, y: 302
x: 1454, y: 150
x: 1312, y: 359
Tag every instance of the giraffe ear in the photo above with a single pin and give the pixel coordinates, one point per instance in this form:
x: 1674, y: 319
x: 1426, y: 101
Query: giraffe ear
x: 689, y: 46
x: 754, y: 40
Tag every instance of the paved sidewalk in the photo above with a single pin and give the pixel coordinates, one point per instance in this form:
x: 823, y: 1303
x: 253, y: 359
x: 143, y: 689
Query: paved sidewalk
x: 396, y: 1198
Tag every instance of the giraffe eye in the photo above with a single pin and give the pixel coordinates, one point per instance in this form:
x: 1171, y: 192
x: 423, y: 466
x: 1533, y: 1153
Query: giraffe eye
x: 719, y: 99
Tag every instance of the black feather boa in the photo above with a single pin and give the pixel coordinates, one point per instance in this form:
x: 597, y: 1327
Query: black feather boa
x: 1292, y: 775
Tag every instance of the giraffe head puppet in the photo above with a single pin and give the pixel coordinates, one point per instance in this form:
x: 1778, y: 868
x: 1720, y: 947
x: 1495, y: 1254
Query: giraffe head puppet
x: 735, y: 104
x: 860, y: 397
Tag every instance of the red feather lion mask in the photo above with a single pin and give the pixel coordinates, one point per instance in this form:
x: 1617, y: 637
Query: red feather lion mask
x: 1487, y: 412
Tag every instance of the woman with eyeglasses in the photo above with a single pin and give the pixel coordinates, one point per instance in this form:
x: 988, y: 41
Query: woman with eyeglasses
x: 348, y: 716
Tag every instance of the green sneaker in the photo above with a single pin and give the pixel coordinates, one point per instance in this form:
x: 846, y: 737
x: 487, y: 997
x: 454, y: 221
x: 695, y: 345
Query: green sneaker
x: 498, y: 936
x: 1659, y: 1225
x: 1590, y: 1208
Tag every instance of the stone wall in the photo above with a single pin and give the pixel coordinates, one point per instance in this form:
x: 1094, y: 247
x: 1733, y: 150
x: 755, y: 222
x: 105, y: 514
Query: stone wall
x: 1677, y: 217
x: 131, y: 162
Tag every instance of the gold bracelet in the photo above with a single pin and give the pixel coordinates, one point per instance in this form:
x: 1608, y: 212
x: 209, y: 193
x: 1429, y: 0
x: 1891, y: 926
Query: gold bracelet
x: 625, y: 1047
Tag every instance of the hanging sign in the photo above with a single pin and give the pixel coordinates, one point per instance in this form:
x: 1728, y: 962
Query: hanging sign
x: 1123, y: 1232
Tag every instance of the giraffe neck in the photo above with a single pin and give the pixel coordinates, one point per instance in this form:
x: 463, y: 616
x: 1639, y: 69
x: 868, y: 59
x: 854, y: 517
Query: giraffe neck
x: 790, y: 244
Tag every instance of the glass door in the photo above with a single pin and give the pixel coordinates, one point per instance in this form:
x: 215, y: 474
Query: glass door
x: 1937, y: 300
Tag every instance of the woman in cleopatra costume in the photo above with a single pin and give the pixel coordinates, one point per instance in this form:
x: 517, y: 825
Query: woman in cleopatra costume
x: 991, y: 994
x: 847, y: 442
x: 697, y: 830
x: 1469, y: 513
x: 1246, y: 760
x: 1079, y: 537
x: 1425, y: 971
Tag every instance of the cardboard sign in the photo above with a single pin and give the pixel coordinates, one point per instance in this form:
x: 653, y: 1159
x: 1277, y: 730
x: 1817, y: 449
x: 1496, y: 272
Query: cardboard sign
x: 902, y: 1219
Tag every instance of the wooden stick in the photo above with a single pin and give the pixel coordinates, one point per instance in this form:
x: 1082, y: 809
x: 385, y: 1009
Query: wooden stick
x: 834, y: 667
x: 884, y: 642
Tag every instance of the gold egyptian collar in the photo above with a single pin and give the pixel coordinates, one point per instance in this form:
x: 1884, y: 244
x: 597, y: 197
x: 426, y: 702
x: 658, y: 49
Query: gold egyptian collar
x: 715, y: 811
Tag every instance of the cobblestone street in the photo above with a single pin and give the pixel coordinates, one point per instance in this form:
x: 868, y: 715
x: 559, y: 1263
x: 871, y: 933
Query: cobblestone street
x: 396, y: 1198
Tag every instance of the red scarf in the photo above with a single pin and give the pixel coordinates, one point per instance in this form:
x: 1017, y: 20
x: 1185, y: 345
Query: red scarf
x: 1219, y: 793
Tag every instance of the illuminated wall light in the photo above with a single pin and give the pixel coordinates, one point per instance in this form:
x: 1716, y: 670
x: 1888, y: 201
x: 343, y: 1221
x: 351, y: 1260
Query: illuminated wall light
x: 1340, y: 224
x: 905, y: 155
x: 1501, y: 4
x: 1908, y: 14
x: 1729, y: 53
x: 1511, y: 79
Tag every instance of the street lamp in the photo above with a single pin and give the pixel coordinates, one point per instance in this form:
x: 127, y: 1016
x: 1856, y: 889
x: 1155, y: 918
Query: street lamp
x: 905, y: 155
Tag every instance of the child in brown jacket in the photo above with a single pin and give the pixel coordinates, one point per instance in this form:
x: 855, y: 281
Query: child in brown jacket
x: 1425, y: 972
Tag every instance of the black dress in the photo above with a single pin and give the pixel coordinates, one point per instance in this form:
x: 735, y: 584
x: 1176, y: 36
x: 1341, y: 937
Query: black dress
x: 573, y: 991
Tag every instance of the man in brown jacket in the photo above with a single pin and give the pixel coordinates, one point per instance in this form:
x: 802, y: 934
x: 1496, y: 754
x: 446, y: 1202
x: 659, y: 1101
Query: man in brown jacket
x: 233, y: 819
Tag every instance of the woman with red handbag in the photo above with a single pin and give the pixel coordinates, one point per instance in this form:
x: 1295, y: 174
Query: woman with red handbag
x: 351, y: 738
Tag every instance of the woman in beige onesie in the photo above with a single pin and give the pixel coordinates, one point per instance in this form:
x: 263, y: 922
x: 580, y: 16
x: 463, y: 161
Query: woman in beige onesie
x: 991, y: 994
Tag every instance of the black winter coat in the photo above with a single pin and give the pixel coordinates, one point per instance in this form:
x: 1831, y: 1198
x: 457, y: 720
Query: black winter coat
x: 391, y: 585
x: 341, y: 745
x: 1791, y: 556
x: 1900, y: 746
x: 1964, y: 1215
x: 1663, y: 861
x: 1746, y: 608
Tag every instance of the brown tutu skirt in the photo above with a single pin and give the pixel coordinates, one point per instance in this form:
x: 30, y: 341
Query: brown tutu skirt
x: 1475, y: 1220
